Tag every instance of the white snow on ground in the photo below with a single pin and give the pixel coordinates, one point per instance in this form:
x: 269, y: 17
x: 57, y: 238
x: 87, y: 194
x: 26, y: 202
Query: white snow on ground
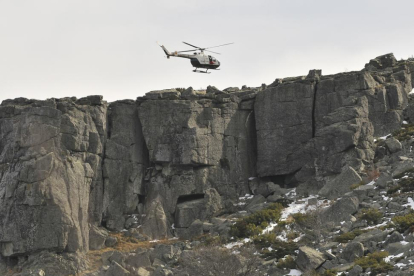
x: 246, y: 196
x: 412, y: 91
x: 237, y: 243
x: 269, y: 228
x: 371, y: 183
x: 243, y: 200
x: 410, y: 203
x: 378, y: 225
x: 294, y: 272
x: 390, y: 257
x: 384, y: 137
x: 405, y: 123
x: 154, y: 241
x: 302, y: 207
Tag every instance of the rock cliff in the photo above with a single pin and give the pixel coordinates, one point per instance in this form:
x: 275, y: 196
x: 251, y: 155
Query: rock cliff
x: 173, y: 157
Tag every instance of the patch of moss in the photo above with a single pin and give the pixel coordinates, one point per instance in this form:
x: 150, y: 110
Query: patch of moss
x: 403, y: 223
x: 371, y: 215
x: 375, y: 262
x: 349, y: 236
x: 287, y: 262
x: 404, y: 133
x: 255, y: 223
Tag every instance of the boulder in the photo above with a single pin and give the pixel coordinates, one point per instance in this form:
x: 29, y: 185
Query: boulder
x: 309, y: 258
x: 138, y: 260
x: 111, y: 241
x: 375, y: 235
x: 352, y: 251
x: 97, y: 237
x: 341, y: 210
x: 396, y: 248
x: 393, y: 145
x: 340, y: 185
x: 116, y: 269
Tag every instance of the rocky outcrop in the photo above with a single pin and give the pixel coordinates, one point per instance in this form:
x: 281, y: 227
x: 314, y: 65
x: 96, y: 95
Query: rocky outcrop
x: 169, y: 162
x: 50, y: 152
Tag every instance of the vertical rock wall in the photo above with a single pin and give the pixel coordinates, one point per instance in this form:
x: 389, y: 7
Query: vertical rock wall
x: 173, y: 157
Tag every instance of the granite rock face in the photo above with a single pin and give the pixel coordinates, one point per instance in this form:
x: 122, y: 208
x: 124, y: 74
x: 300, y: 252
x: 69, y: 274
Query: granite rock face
x: 50, y: 151
x: 171, y: 161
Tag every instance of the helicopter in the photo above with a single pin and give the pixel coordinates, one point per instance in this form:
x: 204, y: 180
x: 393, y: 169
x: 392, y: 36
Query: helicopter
x: 198, y: 60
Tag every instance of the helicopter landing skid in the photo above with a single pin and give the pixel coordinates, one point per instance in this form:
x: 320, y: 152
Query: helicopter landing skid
x: 199, y: 71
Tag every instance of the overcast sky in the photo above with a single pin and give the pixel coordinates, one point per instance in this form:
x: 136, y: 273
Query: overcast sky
x: 58, y: 48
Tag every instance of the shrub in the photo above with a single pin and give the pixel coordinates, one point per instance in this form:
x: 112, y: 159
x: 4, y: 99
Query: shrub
x: 254, y: 224
x: 287, y: 262
x: 371, y: 215
x: 404, y: 133
x: 279, y: 248
x: 407, y: 184
x: 375, y: 262
x: 393, y: 189
x: 404, y: 222
x: 349, y: 236
x: 329, y: 272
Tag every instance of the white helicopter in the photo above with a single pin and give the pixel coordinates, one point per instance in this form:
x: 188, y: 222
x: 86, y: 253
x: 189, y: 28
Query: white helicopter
x: 198, y: 60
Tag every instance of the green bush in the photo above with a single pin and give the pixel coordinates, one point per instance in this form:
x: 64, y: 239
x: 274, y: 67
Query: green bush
x: 349, y: 236
x: 288, y: 262
x: 329, y: 272
x: 393, y: 189
x: 371, y: 215
x: 407, y: 184
x: 374, y: 261
x: 405, y: 222
x: 279, y: 248
x: 254, y: 224
x: 404, y: 133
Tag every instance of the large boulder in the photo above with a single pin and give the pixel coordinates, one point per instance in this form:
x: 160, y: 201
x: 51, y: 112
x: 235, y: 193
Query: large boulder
x: 340, y: 211
x: 341, y: 184
x: 352, y: 251
x: 97, y: 237
x: 309, y: 258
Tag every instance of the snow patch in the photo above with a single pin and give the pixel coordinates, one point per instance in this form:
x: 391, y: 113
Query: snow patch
x: 237, y: 243
x: 412, y: 91
x: 410, y: 203
x: 384, y: 137
x: 269, y: 228
x: 294, y: 272
x: 302, y: 206
x: 390, y: 257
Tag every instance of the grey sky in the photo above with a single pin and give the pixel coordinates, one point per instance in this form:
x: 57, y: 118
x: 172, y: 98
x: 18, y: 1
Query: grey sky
x: 57, y: 48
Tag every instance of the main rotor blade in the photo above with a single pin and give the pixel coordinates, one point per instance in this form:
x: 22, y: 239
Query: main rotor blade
x: 191, y: 45
x: 186, y: 51
x: 219, y: 45
x: 213, y: 52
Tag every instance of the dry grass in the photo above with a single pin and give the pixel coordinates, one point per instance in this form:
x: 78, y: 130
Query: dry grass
x: 125, y: 244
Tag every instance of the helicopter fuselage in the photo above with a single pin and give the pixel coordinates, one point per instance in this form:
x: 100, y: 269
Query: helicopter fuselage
x: 198, y: 60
